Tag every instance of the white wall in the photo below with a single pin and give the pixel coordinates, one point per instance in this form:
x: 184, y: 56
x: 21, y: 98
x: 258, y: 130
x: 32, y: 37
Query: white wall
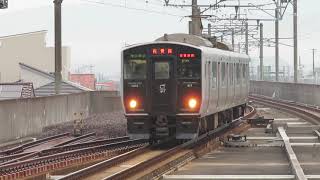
x: 29, y: 48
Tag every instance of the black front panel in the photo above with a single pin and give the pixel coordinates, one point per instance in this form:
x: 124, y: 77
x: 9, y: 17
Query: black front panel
x: 161, y: 78
x: 163, y: 85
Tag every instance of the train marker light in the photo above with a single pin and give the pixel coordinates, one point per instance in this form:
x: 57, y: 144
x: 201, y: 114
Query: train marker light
x: 154, y: 51
x: 169, y: 51
x: 192, y: 103
x: 133, y: 104
x: 162, y: 51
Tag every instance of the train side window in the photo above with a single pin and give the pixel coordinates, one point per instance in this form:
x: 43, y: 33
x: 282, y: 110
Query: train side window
x: 231, y: 73
x: 214, y: 75
x: 248, y: 74
x: 244, y: 72
x: 223, y: 73
x: 238, y: 73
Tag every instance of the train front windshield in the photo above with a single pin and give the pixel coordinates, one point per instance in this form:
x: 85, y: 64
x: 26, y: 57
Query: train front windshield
x: 135, y: 69
x: 150, y: 76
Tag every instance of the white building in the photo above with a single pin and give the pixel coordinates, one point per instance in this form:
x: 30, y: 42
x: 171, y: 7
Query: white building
x: 28, y: 48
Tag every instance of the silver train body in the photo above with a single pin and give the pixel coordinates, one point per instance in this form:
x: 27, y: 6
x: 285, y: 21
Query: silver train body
x: 217, y: 89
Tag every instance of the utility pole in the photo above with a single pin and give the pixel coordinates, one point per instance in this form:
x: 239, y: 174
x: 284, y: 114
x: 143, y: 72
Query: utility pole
x: 57, y: 47
x: 209, y: 30
x: 232, y: 39
x: 247, y: 38
x: 295, y: 37
x: 313, y: 70
x: 261, y: 52
x: 277, y: 44
x: 195, y: 23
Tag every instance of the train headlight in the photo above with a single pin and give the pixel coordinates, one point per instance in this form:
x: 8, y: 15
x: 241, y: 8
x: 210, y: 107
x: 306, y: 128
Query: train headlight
x: 192, y: 103
x: 133, y: 104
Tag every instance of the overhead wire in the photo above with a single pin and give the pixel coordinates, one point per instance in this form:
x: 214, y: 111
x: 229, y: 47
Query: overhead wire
x: 131, y: 8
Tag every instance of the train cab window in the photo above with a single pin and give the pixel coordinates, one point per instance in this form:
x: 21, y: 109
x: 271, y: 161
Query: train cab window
x: 223, y: 73
x: 189, y: 69
x: 135, y: 69
x: 161, y: 70
x: 214, y: 75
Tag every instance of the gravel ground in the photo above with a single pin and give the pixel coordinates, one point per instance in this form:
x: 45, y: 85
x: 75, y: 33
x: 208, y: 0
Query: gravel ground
x: 106, y: 125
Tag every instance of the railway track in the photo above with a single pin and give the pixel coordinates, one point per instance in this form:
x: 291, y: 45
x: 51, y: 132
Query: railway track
x: 309, y: 113
x: 72, y: 155
x: 147, y: 163
x: 59, y: 149
x: 23, y: 147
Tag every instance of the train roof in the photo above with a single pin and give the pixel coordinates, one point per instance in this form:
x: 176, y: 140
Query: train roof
x: 204, y: 49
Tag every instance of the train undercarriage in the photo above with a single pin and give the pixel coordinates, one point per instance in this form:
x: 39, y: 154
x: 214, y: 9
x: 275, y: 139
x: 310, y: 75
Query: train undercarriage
x: 182, y: 127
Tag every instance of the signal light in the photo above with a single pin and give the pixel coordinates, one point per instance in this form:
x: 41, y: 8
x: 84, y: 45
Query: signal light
x: 133, y: 104
x: 192, y: 103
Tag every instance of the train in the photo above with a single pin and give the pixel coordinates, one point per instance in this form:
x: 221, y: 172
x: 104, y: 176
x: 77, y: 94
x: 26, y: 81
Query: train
x: 180, y: 86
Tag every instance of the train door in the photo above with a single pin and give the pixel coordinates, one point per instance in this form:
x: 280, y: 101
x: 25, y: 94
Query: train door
x: 162, y: 83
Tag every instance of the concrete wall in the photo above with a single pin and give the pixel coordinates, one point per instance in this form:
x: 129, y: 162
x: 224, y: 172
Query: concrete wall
x: 23, y: 117
x: 303, y: 93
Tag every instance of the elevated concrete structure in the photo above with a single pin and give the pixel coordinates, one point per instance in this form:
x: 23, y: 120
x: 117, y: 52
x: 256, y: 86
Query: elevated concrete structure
x: 24, y: 117
x: 295, y: 165
x: 302, y: 93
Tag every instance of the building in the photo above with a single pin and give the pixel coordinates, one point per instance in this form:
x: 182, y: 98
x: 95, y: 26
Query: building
x: 86, y: 80
x: 31, y: 49
x: 108, y: 86
x: 16, y: 90
x: 44, y: 82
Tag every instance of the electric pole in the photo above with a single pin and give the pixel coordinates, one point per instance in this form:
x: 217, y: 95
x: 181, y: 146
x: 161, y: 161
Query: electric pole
x: 277, y: 44
x: 232, y: 39
x: 247, y: 38
x: 209, y: 30
x: 195, y: 23
x: 261, y: 52
x: 57, y: 47
x: 295, y: 37
x: 313, y: 70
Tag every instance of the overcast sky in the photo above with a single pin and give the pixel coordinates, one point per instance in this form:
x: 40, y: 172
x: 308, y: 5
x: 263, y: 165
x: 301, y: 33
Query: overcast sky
x: 97, y: 32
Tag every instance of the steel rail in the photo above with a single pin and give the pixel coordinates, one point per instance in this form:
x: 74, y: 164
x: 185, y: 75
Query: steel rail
x: 140, y: 167
x: 20, y: 148
x: 304, y: 112
x: 76, y: 139
x: 61, y: 158
x: 61, y: 149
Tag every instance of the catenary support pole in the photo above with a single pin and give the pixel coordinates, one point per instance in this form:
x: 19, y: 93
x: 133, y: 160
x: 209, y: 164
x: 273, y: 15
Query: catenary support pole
x: 261, y: 52
x: 295, y: 39
x: 57, y: 47
x: 277, y: 45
